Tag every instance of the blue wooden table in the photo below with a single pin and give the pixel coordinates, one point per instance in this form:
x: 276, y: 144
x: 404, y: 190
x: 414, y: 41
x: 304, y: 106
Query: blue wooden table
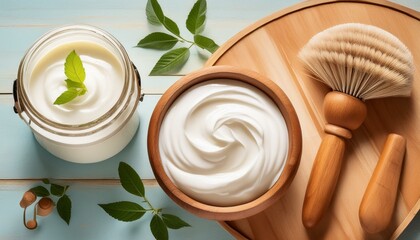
x: 23, y: 161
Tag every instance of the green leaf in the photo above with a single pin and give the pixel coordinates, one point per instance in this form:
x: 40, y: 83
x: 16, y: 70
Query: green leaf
x: 65, y: 188
x: 171, y: 61
x: 73, y: 68
x: 81, y: 88
x: 154, y: 12
x: 57, y: 190
x: 130, y: 180
x: 73, y: 84
x: 174, y: 222
x: 40, y: 191
x: 82, y: 91
x: 205, y: 43
x: 197, y: 17
x: 46, y: 181
x: 124, y: 211
x: 64, y: 208
x: 67, y: 96
x: 158, y: 40
x: 171, y: 26
x: 158, y: 228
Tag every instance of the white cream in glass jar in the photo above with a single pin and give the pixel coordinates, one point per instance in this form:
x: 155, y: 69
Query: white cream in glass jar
x: 94, y: 126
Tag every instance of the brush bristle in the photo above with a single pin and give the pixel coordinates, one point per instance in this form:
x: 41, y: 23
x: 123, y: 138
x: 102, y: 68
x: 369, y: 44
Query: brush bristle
x: 361, y: 60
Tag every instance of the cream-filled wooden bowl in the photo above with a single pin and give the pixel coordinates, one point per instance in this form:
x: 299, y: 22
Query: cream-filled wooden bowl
x: 258, y: 153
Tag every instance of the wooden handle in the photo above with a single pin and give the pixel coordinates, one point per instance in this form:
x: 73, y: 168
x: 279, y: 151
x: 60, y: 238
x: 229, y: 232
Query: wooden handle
x: 323, y: 179
x: 343, y: 113
x: 378, y: 202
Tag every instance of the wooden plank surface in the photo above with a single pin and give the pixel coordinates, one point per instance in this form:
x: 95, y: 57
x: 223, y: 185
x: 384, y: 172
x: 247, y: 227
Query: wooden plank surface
x: 270, y: 47
x: 90, y: 222
x: 24, y: 158
x: 24, y: 22
x: 21, y: 23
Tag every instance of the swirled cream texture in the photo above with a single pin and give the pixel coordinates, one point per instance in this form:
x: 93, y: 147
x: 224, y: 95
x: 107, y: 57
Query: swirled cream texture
x: 104, y: 81
x: 223, y: 142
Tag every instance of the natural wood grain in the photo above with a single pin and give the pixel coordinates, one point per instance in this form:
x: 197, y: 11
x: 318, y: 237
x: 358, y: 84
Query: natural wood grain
x: 344, y: 113
x: 323, y: 179
x: 293, y: 156
x: 378, y: 202
x: 270, y: 47
x: 407, y: 221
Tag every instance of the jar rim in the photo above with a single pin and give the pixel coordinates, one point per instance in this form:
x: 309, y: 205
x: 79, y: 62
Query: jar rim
x: 56, y: 127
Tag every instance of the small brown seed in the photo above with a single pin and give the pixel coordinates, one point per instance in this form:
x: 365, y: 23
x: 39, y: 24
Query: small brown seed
x: 45, y: 206
x: 31, y: 224
x: 27, y: 199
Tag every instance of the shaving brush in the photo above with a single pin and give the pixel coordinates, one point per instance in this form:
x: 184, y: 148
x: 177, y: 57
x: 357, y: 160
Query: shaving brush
x: 359, y: 62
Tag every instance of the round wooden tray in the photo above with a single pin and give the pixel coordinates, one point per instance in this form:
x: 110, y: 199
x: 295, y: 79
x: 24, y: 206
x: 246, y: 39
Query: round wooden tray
x: 270, y: 47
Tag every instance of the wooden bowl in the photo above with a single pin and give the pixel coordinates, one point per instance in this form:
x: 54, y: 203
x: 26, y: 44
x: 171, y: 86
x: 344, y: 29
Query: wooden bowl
x: 294, y: 152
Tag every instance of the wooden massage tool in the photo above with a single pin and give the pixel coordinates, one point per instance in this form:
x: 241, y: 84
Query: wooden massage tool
x: 378, y: 202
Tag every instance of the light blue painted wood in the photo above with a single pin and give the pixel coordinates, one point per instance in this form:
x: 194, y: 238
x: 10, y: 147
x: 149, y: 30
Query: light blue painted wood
x: 89, y: 221
x: 21, y: 23
x: 412, y: 232
x: 23, y: 158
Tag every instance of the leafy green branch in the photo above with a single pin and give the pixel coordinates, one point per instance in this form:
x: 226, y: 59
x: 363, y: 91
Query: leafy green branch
x: 130, y: 211
x: 63, y: 202
x: 46, y: 204
x: 174, y: 59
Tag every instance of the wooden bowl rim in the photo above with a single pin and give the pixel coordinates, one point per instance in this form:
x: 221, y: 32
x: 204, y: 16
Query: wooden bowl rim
x: 294, y: 152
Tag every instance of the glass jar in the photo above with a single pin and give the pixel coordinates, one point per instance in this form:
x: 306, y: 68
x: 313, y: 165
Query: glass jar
x: 92, y: 139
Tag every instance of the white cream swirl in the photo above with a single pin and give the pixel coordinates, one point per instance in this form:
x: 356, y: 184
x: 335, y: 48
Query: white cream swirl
x: 104, y: 83
x: 223, y: 142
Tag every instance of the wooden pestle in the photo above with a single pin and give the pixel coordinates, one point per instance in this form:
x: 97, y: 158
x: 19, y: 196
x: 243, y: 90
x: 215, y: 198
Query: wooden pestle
x: 378, y: 202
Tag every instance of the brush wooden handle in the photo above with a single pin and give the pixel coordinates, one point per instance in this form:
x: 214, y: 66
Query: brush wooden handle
x: 343, y: 113
x: 378, y: 202
x: 323, y: 179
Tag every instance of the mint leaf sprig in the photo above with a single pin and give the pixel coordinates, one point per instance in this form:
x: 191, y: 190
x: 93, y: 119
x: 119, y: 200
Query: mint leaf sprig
x: 173, y: 60
x: 127, y: 211
x: 75, y: 73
